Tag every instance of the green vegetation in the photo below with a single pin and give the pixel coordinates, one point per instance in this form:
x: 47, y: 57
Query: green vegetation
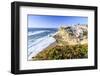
x: 63, y: 52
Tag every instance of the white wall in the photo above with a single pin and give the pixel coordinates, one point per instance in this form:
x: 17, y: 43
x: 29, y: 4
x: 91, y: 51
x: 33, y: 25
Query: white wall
x: 5, y: 41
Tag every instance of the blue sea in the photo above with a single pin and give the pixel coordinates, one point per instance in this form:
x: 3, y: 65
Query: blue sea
x: 39, y: 39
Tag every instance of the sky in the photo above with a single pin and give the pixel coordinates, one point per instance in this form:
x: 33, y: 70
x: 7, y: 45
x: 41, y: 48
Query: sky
x: 44, y: 21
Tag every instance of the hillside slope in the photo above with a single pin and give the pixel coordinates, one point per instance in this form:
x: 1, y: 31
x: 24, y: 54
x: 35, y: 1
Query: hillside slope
x: 72, y: 35
x: 71, y: 43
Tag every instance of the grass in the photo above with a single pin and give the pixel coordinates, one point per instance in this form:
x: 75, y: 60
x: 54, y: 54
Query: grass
x: 63, y: 52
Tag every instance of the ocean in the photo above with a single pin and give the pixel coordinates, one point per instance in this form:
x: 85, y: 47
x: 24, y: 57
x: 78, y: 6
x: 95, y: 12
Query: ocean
x: 39, y: 39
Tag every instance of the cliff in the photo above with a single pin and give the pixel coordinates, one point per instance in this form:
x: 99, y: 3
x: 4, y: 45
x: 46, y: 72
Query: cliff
x: 71, y: 35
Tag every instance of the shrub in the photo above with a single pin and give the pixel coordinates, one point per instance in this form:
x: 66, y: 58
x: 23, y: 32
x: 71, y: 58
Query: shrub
x: 63, y: 52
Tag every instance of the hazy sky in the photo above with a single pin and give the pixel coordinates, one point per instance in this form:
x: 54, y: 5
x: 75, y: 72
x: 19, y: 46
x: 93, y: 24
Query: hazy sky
x: 43, y: 21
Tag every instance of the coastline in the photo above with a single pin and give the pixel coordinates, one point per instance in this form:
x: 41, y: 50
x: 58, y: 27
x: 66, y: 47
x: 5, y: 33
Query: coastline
x: 50, y: 46
x: 63, y: 44
x: 45, y: 43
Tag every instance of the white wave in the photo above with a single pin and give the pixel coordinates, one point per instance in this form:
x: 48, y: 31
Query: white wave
x: 36, y: 42
x: 31, y: 43
x: 42, y: 44
x: 37, y: 32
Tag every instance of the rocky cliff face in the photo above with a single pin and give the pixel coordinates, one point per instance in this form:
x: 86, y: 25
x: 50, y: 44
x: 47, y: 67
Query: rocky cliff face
x: 71, y: 35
